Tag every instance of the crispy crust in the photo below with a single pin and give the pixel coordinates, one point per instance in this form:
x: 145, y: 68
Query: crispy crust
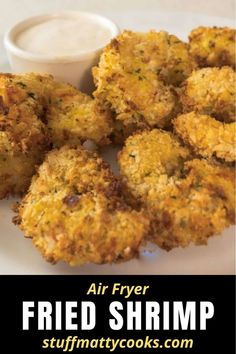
x: 211, y: 91
x: 24, y: 138
x: 212, y: 46
x: 37, y: 112
x: 137, y: 104
x: 74, y: 211
x: 201, y: 206
x: 207, y: 136
x: 159, y: 52
x: 187, y: 200
x: 73, y: 117
x: 134, y: 74
x: 22, y: 100
x: 16, y: 168
x: 150, y: 163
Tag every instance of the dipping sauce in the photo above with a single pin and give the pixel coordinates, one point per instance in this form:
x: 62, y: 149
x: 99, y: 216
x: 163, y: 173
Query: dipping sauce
x: 66, y: 36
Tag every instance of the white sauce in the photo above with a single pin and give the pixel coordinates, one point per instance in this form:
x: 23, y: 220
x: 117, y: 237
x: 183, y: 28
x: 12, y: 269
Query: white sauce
x: 64, y: 36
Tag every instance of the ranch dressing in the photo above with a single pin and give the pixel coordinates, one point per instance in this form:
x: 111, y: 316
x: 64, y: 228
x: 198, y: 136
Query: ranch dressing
x: 64, y: 36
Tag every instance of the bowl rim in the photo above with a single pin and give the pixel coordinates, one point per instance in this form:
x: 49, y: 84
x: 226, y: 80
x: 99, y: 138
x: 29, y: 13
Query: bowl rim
x: 10, y: 45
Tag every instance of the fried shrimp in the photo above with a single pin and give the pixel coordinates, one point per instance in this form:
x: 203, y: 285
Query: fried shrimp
x: 37, y: 112
x: 23, y: 136
x: 134, y: 75
x: 211, y: 91
x: 138, y: 102
x: 73, y: 117
x: 16, y: 167
x: 202, y: 205
x: 207, y: 136
x: 212, y: 46
x: 150, y: 163
x: 188, y: 200
x: 159, y: 52
x: 74, y: 211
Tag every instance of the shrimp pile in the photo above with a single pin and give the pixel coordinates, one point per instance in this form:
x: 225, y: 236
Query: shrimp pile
x: 170, y: 104
x: 187, y: 199
x: 36, y: 113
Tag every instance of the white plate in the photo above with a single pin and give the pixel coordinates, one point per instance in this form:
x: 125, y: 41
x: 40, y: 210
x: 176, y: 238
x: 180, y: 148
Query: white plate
x: 18, y: 256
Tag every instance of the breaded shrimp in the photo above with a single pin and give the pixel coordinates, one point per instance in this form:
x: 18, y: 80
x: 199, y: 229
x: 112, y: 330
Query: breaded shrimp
x: 23, y: 136
x: 74, y: 211
x: 134, y: 74
x: 37, y: 112
x: 150, y: 162
x: 161, y: 52
x: 212, y: 46
x: 73, y: 117
x: 138, y: 101
x: 202, y: 205
x: 207, y: 136
x: 29, y: 87
x: 16, y: 167
x: 211, y: 91
x: 187, y: 199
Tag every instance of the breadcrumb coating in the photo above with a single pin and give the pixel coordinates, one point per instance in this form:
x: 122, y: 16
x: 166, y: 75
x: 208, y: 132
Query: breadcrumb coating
x: 137, y: 103
x: 207, y: 136
x: 16, y: 168
x: 134, y: 75
x: 24, y: 137
x: 74, y: 211
x: 212, y: 46
x: 211, y: 91
x: 73, y: 117
x: 187, y: 200
x: 37, y: 112
x: 160, y: 52
x: 150, y: 163
x: 201, y: 206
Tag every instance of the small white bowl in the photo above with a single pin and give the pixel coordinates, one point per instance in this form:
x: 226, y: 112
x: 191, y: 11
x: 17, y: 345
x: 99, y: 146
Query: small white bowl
x: 74, y: 69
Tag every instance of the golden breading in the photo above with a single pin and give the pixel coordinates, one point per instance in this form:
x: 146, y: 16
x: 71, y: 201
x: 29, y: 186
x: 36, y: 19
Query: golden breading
x: 159, y: 52
x: 201, y: 206
x: 134, y: 74
x: 37, y: 112
x: 212, y: 46
x: 73, y: 117
x: 207, y: 136
x: 30, y: 87
x: 150, y: 163
x: 16, y: 168
x: 187, y: 200
x: 211, y: 91
x: 138, y: 103
x: 23, y: 136
x: 74, y: 212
